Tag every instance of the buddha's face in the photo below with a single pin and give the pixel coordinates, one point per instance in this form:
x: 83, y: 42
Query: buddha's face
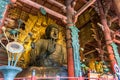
x: 54, y: 33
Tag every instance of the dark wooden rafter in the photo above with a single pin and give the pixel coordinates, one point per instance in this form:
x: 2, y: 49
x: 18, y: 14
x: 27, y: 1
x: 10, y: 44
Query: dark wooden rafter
x: 85, y: 1
x: 89, y: 52
x: 115, y: 35
x: 114, y: 10
x: 107, y: 4
x: 117, y: 9
x: 81, y: 10
x: 113, y: 19
x: 36, y: 5
x: 61, y: 6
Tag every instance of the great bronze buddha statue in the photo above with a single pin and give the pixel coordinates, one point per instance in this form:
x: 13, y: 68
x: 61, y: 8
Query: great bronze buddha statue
x: 47, y: 53
x: 47, y: 56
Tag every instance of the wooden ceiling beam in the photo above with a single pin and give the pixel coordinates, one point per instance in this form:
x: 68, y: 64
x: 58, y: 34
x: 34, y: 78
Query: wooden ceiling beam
x: 114, y: 19
x: 57, y: 4
x: 38, y: 6
x: 81, y: 10
x: 61, y: 6
x: 117, y: 8
x: 85, y: 1
x: 89, y: 52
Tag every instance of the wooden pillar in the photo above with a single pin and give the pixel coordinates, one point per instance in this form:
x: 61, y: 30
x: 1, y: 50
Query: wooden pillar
x: 107, y: 35
x: 70, y: 60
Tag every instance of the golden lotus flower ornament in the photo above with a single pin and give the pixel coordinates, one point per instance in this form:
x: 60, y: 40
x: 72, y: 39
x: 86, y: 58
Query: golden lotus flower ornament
x: 14, y: 50
x: 15, y: 47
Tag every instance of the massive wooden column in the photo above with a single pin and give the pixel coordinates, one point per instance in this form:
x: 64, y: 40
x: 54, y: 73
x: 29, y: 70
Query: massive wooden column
x: 107, y: 35
x: 74, y: 68
x: 69, y: 14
